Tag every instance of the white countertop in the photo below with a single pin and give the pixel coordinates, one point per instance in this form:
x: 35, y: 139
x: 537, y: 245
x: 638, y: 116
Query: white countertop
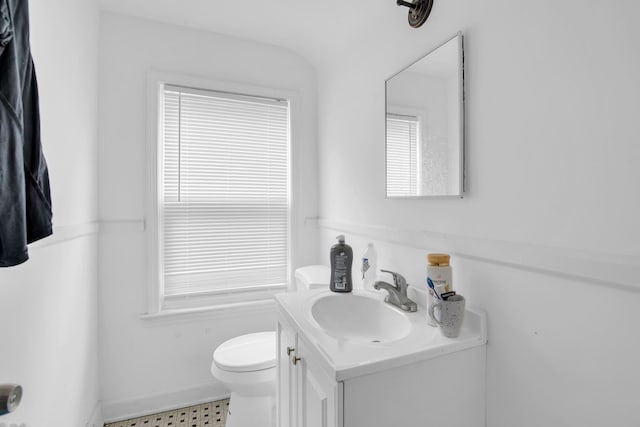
x: 343, y: 359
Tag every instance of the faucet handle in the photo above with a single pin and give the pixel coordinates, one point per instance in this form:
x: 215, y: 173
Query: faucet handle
x: 398, y: 280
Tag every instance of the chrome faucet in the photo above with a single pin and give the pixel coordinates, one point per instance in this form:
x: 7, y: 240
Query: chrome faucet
x: 397, y: 292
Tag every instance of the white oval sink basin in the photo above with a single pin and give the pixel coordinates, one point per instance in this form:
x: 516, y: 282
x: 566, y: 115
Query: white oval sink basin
x: 354, y: 317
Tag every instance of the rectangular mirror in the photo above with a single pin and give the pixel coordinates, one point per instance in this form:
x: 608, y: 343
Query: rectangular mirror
x: 425, y: 125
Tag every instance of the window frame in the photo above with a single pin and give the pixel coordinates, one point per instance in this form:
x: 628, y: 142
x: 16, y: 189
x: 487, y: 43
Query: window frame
x: 157, y: 303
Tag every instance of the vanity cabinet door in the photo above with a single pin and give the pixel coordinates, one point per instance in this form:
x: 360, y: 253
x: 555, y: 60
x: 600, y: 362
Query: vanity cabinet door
x: 318, y: 404
x: 286, y: 384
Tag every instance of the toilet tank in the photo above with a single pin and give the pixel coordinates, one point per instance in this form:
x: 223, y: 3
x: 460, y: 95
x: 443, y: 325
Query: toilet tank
x: 312, y: 277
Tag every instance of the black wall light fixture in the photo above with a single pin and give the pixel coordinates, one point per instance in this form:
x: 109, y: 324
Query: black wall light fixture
x: 419, y: 11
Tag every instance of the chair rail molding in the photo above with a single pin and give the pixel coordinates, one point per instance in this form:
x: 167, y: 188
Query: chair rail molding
x: 64, y: 233
x: 122, y: 225
x: 607, y: 269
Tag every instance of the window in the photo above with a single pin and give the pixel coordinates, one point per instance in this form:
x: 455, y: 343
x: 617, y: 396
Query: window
x: 402, y: 155
x: 223, y: 197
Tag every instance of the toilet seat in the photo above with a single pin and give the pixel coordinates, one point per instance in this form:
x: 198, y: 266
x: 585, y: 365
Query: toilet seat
x: 247, y: 353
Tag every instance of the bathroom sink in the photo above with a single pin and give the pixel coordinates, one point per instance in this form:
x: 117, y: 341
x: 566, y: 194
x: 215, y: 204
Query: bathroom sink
x: 355, y: 334
x: 359, y: 318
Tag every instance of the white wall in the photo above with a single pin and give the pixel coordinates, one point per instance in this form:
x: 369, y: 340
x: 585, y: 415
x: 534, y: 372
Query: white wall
x: 48, y: 306
x: 150, y: 364
x: 552, y: 200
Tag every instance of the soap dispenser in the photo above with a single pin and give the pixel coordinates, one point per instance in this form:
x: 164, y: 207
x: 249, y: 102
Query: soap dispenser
x: 341, y: 256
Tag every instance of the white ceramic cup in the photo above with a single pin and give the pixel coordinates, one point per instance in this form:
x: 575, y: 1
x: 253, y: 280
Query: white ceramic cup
x: 451, y: 315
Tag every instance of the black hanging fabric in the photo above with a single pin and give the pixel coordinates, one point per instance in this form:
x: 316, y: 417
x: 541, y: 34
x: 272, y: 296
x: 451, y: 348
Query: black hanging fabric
x: 25, y: 198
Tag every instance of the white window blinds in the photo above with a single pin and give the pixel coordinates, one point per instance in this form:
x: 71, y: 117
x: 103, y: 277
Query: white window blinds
x: 225, y: 192
x: 402, y: 155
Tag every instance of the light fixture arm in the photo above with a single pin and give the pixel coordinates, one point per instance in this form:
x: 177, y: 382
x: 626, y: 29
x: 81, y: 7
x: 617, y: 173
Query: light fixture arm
x: 419, y: 11
x: 405, y: 3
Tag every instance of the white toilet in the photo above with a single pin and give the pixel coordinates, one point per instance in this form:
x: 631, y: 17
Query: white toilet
x: 246, y: 365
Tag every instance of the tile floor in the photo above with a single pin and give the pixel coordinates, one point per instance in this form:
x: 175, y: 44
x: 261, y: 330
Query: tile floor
x: 212, y: 414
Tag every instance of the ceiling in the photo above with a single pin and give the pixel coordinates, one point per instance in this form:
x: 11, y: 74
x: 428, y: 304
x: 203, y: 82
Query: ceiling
x: 314, y: 29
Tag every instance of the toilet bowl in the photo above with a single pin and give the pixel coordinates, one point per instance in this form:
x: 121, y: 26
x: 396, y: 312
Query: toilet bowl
x: 246, y: 365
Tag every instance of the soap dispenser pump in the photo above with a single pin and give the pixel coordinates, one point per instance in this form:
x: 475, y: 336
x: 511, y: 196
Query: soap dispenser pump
x: 341, y: 256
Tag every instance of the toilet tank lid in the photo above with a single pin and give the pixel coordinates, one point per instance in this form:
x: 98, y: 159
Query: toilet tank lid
x: 313, y: 276
x: 251, y: 352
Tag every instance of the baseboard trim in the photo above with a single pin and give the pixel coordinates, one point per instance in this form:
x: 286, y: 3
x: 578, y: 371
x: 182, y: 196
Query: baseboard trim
x: 118, y: 410
x: 607, y: 269
x: 96, y: 419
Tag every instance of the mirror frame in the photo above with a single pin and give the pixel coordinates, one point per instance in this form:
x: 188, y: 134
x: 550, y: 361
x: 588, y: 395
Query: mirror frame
x: 461, y: 124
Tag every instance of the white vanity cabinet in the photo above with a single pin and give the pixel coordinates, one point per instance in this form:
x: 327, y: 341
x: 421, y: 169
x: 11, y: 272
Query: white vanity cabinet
x: 287, y: 344
x: 419, y: 380
x: 307, y: 396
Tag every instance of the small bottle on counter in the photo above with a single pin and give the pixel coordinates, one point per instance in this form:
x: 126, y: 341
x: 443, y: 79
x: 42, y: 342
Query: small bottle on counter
x: 439, y: 271
x: 369, y: 267
x: 430, y: 301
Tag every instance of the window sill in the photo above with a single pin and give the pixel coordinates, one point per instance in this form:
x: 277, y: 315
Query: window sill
x: 221, y: 310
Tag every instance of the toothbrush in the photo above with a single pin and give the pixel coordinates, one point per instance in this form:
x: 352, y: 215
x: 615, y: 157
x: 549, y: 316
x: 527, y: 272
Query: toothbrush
x: 433, y: 287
